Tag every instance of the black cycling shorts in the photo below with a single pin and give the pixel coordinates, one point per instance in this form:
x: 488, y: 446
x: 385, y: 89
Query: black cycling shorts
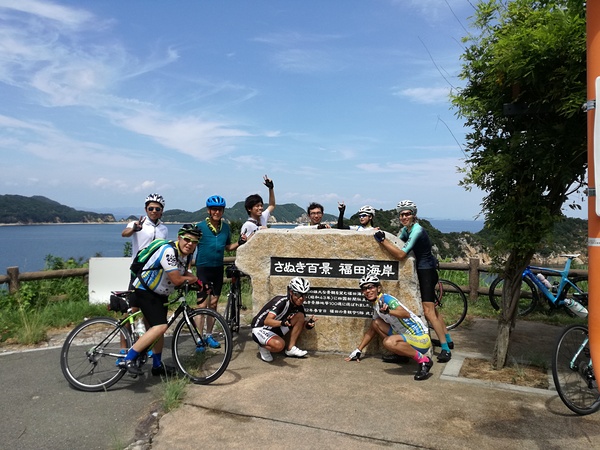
x: 153, y: 306
x: 428, y: 278
x: 212, y: 275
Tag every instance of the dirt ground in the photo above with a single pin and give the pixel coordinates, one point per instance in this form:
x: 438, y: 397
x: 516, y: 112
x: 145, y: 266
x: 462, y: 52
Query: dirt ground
x: 518, y: 374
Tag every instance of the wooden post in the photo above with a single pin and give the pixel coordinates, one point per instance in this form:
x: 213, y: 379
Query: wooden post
x: 473, y: 279
x: 13, y: 279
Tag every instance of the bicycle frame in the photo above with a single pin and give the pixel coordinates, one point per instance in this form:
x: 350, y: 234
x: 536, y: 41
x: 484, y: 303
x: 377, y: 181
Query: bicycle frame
x: 564, y: 281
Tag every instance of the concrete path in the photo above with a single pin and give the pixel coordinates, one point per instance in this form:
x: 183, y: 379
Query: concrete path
x: 324, y: 402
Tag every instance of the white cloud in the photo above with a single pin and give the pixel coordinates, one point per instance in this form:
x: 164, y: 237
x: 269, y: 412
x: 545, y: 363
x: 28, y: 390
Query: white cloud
x: 424, y: 95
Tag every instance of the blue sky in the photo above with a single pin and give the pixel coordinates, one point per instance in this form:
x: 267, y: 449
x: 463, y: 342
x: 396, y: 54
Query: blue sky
x: 104, y: 102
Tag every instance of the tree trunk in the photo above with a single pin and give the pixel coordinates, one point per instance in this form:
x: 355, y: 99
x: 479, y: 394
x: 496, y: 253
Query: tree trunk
x: 511, y: 291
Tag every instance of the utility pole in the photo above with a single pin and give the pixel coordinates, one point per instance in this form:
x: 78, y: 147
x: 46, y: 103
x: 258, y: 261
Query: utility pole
x: 593, y: 134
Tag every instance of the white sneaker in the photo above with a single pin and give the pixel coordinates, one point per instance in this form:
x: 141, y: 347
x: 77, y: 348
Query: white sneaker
x: 296, y: 352
x: 265, y: 354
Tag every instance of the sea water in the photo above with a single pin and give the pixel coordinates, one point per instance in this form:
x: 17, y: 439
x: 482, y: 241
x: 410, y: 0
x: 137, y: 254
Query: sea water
x: 26, y: 246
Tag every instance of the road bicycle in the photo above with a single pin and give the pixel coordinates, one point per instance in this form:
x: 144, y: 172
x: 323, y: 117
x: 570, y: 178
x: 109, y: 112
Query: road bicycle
x: 452, y: 303
x: 573, y: 373
x: 234, y: 298
x: 91, y: 354
x: 562, y: 288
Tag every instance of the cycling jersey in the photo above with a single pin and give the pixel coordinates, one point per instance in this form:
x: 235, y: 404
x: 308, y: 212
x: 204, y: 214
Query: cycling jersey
x: 281, y: 306
x: 211, y: 248
x: 155, y: 271
x: 417, y: 240
x: 150, y: 231
x: 251, y: 226
x: 408, y: 325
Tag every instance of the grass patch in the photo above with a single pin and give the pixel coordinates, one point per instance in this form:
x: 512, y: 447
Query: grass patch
x: 173, y: 392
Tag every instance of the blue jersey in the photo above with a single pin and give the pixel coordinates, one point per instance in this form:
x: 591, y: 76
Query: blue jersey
x: 417, y: 240
x: 211, y: 248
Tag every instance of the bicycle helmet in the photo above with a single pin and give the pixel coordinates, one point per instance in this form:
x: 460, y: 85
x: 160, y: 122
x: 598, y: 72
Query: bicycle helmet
x: 189, y: 228
x: 299, y: 285
x: 367, y: 209
x: 155, y: 198
x: 216, y: 201
x: 369, y: 278
x: 406, y: 205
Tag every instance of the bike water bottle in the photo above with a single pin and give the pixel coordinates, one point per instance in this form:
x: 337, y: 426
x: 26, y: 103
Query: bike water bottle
x: 140, y: 328
x: 576, y: 308
x: 542, y: 278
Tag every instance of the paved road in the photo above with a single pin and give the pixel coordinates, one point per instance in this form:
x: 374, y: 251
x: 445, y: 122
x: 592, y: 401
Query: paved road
x: 40, y: 410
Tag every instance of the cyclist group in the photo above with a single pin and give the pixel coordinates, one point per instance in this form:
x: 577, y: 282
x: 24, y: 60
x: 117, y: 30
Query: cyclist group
x: 404, y: 334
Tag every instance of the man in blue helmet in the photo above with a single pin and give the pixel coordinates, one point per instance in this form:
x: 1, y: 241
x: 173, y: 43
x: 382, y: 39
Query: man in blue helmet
x: 216, y: 238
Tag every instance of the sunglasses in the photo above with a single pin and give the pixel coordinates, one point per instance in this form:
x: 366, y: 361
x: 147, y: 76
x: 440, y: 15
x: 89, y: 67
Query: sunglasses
x: 190, y: 240
x: 368, y: 287
x: 154, y: 208
x: 406, y: 214
x: 362, y: 216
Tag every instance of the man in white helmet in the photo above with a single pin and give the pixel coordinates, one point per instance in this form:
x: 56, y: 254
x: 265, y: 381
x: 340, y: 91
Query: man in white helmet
x: 148, y: 227
x: 282, y: 315
x: 366, y: 214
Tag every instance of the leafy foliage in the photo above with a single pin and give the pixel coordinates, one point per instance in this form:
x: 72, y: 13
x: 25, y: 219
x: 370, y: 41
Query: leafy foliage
x: 526, y: 148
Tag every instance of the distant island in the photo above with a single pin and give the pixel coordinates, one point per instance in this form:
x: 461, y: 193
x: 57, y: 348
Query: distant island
x: 569, y: 236
x: 18, y: 209
x: 21, y: 210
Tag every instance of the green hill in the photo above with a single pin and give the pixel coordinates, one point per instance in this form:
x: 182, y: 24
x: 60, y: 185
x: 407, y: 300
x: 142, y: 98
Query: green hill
x: 17, y: 209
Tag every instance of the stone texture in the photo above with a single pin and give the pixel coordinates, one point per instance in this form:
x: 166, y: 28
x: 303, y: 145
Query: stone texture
x: 332, y: 333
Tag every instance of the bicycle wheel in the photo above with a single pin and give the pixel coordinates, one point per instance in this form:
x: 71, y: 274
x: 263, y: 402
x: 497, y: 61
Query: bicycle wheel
x: 452, y: 303
x: 88, y: 358
x: 527, y: 302
x: 578, y: 291
x: 572, y: 371
x: 202, y: 367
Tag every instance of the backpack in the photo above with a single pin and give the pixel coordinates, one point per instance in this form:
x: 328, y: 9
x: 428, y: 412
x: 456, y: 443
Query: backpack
x: 142, y: 257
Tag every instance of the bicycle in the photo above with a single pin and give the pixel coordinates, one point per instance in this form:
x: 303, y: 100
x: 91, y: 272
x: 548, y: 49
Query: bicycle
x: 90, y: 355
x: 452, y: 302
x: 573, y: 373
x: 234, y: 298
x: 568, y: 288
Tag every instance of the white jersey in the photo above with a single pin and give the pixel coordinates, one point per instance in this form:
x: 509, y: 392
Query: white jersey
x: 251, y: 226
x: 154, y: 273
x: 149, y: 232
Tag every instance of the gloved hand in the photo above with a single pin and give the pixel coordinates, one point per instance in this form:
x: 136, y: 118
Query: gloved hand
x: 268, y: 182
x: 287, y: 321
x: 241, y: 240
x: 341, y: 207
x: 310, y: 324
x: 379, y: 236
x: 354, y: 356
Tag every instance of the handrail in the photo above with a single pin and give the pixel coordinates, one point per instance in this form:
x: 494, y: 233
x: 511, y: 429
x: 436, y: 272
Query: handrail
x: 473, y: 267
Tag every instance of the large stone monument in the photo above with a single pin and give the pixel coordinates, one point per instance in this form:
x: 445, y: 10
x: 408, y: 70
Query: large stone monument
x: 333, y: 261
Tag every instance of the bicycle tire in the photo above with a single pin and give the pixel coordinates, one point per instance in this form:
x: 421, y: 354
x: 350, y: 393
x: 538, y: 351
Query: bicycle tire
x: 202, y: 367
x: 526, y: 305
x: 572, y: 373
x: 452, y: 302
x: 578, y: 292
x: 89, y: 354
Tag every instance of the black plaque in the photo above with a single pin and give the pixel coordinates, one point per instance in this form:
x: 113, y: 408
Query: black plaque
x: 337, y: 302
x: 333, y: 268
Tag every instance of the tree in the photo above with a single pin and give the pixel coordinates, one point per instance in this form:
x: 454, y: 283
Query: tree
x: 526, y: 148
